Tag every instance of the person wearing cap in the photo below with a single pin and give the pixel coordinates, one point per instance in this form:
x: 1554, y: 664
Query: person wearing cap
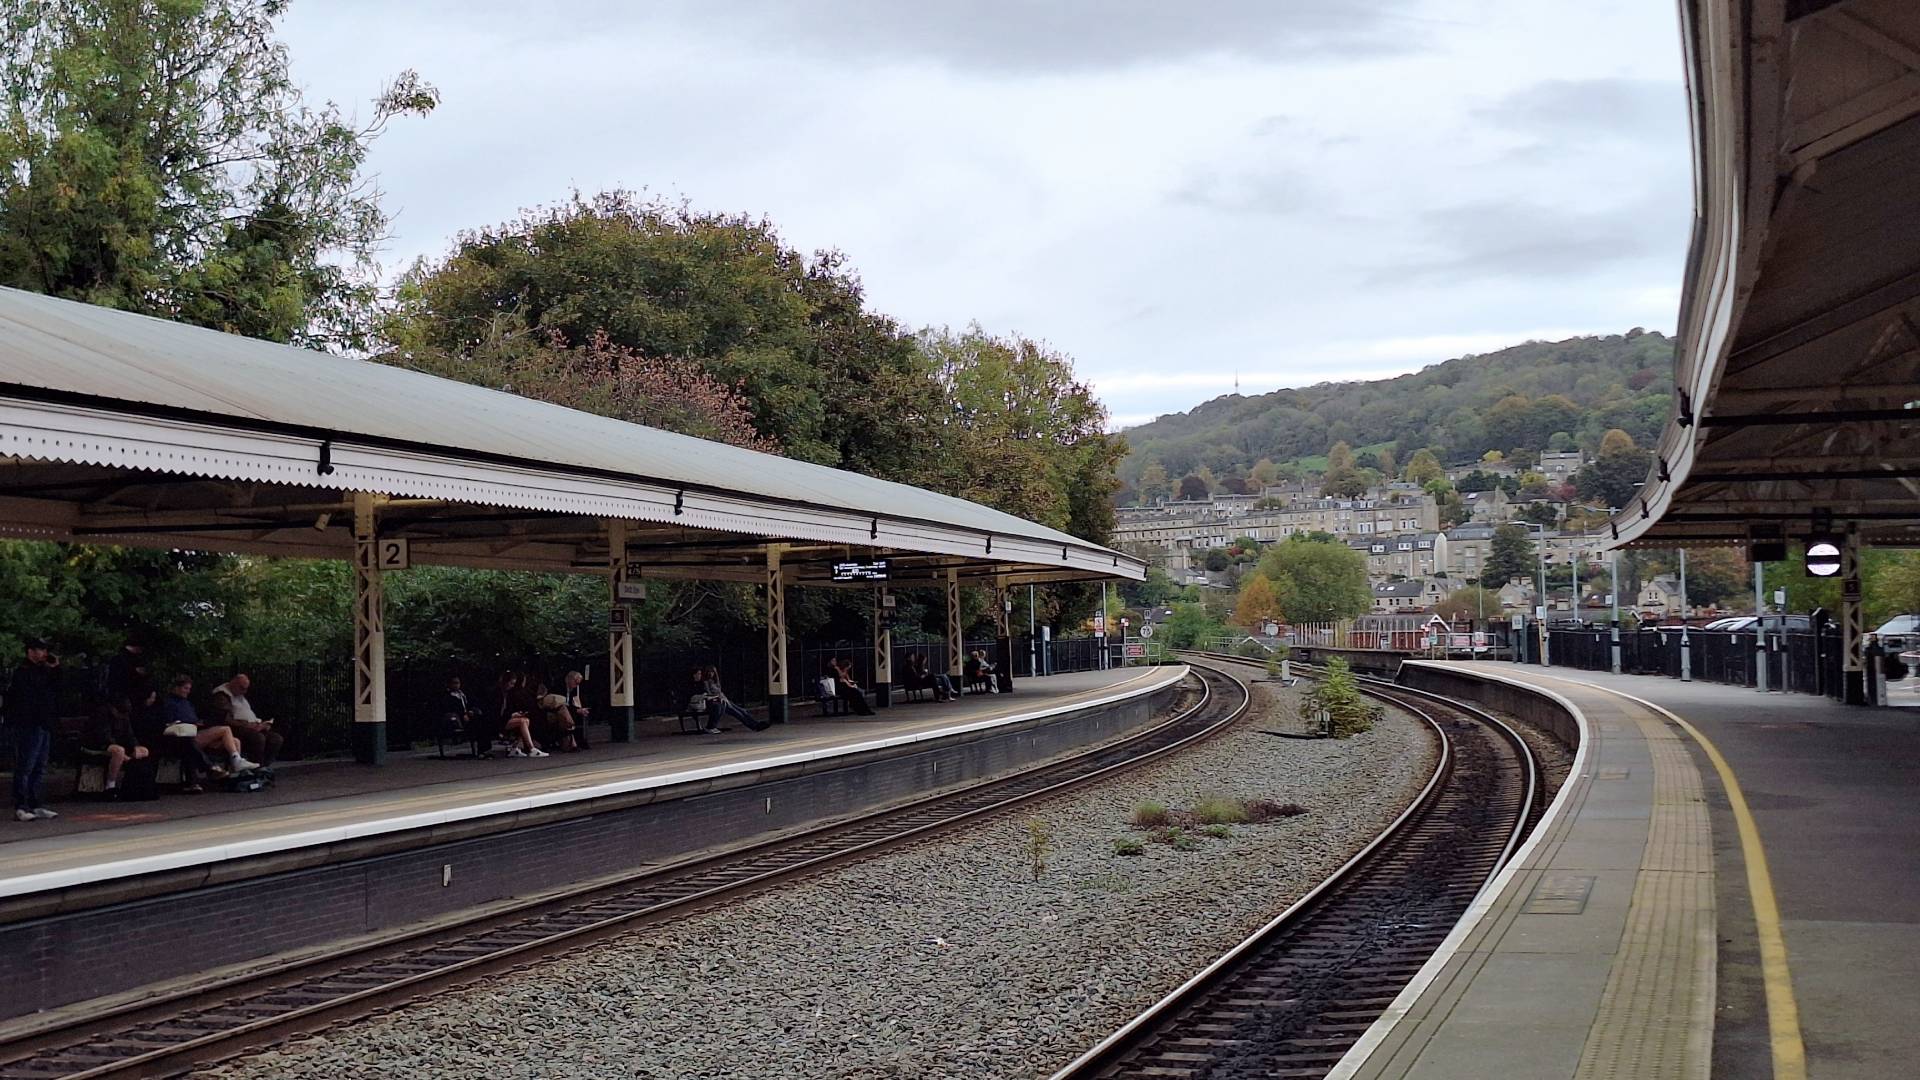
x: 32, y: 713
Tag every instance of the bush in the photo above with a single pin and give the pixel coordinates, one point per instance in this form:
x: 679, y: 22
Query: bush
x: 1148, y: 814
x: 1127, y: 845
x: 1175, y: 838
x: 1338, y: 696
x: 1251, y: 649
x: 1218, y: 832
x: 1220, y: 810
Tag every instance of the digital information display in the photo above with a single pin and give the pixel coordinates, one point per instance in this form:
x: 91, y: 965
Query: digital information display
x: 860, y: 571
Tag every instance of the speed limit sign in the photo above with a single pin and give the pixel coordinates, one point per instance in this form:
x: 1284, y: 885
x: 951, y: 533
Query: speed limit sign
x: 1146, y: 630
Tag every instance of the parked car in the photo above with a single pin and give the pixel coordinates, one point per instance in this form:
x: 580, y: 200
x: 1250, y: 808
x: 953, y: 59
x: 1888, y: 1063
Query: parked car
x: 1729, y: 623
x: 1900, y: 633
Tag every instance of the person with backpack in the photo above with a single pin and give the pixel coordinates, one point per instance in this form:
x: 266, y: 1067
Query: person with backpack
x: 32, y: 713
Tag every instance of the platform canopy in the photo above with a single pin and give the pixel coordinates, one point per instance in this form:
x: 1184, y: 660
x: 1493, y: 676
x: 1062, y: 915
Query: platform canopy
x: 1798, y: 372
x: 123, y: 429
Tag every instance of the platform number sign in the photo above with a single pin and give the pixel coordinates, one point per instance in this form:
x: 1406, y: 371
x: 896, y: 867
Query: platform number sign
x: 391, y: 555
x: 617, y: 618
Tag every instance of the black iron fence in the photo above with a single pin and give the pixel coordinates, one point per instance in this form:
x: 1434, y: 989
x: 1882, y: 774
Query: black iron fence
x: 1798, y: 661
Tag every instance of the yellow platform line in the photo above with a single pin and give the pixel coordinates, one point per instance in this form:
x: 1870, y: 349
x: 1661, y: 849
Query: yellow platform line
x: 1783, y: 1012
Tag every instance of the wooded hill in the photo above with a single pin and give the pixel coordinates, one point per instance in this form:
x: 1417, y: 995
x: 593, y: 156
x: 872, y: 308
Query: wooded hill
x: 1535, y: 396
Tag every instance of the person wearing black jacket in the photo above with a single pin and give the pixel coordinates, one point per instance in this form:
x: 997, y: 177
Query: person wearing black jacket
x: 32, y: 714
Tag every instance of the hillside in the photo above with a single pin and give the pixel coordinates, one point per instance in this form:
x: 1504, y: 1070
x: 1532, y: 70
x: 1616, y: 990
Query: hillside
x: 1517, y: 398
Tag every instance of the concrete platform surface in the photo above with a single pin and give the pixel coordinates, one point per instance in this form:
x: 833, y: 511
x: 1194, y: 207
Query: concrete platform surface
x: 325, y: 802
x: 1832, y: 790
x: 1592, y: 954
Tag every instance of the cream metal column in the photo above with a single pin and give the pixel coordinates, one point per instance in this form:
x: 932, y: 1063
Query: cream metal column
x: 369, y: 739
x: 1853, y: 620
x: 954, y: 644
x: 619, y: 638
x: 776, y: 636
x: 882, y: 649
x: 1002, y: 636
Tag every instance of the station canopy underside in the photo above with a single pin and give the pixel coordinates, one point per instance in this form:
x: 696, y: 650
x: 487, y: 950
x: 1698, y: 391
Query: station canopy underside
x: 127, y: 430
x: 1799, y: 349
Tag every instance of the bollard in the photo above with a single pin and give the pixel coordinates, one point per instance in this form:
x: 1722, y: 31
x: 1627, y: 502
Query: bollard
x: 1686, y: 656
x: 1616, y: 646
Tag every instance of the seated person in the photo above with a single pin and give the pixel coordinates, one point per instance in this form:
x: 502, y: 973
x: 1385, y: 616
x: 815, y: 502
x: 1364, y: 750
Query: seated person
x: 229, y: 706
x: 109, y: 732
x: 979, y: 671
x: 457, y: 709
x: 920, y: 678
x: 149, y: 727
x: 555, y: 725
x: 513, y: 717
x: 846, y: 688
x: 718, y: 704
x: 576, y: 695
x: 211, y: 739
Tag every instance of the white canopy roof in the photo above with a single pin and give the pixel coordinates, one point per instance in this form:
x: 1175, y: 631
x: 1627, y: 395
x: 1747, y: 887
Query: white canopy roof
x: 112, y: 391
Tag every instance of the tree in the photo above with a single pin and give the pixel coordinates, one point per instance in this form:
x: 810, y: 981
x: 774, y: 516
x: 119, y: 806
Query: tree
x: 1470, y: 602
x: 1493, y: 457
x: 1510, y: 556
x: 1317, y: 579
x: 1340, y: 458
x: 1154, y: 485
x: 1257, y: 605
x: 827, y: 380
x: 1615, y: 440
x: 1337, y: 696
x: 1423, y: 467
x: 1192, y: 487
x: 1190, y: 625
x: 1389, y: 465
x: 1718, y: 575
x: 161, y: 160
x: 1540, y: 513
x: 1612, y: 478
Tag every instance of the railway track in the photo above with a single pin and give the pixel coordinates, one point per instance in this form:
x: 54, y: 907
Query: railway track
x: 169, y: 1035
x: 1290, y: 1000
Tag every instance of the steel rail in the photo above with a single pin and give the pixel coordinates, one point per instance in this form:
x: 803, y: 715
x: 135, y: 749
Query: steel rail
x: 1164, y: 1016
x: 715, y: 878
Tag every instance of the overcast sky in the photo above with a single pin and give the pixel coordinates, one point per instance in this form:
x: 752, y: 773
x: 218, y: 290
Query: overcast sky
x: 1170, y: 192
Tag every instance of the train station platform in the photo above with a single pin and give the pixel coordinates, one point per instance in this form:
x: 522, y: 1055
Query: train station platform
x: 322, y: 803
x: 96, y: 907
x: 1745, y: 910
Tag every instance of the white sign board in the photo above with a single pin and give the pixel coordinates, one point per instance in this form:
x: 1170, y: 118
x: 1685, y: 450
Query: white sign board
x: 1146, y: 630
x: 631, y: 590
x: 390, y: 554
x: 1099, y: 624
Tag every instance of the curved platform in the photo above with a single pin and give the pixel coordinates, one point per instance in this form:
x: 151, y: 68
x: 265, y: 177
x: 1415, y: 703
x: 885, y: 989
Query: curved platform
x: 1714, y: 851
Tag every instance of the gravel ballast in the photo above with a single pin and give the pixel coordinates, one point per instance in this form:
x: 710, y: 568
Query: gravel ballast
x: 945, y: 959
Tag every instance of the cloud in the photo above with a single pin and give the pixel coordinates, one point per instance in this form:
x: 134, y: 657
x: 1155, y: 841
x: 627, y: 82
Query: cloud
x: 1246, y: 191
x: 1518, y: 239
x: 1046, y: 37
x: 1561, y: 109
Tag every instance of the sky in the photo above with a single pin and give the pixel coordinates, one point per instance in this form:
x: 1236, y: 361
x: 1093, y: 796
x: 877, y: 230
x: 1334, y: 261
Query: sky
x: 1176, y: 194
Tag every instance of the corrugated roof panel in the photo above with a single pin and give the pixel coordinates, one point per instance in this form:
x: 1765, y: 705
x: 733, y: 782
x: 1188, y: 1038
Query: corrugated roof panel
x: 64, y: 346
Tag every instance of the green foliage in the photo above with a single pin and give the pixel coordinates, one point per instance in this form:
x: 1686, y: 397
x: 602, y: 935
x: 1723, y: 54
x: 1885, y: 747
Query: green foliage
x: 1192, y: 487
x: 1127, y: 845
x: 1540, y: 513
x: 1611, y: 382
x: 1423, y: 468
x: 1217, y: 832
x: 161, y: 160
x: 1190, y: 625
x: 1510, y: 556
x: 1469, y: 603
x: 1175, y: 838
x: 1612, y: 478
x: 1337, y: 694
x: 1317, y: 580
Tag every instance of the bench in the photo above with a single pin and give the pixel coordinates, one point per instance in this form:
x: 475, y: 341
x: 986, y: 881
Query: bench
x: 825, y: 692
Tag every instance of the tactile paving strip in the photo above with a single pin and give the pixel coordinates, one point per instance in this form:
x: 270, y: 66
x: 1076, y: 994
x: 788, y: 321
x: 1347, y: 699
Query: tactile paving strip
x: 1656, y: 1014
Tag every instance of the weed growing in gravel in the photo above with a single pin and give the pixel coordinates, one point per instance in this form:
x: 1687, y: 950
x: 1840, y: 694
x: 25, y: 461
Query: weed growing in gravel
x: 1148, y: 814
x: 1127, y: 845
x: 1218, y: 832
x: 1266, y: 810
x: 1175, y: 838
x: 1039, y: 846
x: 1220, y: 810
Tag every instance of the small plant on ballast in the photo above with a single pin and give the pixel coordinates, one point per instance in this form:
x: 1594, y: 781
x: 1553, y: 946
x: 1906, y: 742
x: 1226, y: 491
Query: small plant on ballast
x: 1127, y: 845
x: 1149, y: 813
x: 1039, y: 846
x: 1218, y: 832
x: 1338, y: 700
